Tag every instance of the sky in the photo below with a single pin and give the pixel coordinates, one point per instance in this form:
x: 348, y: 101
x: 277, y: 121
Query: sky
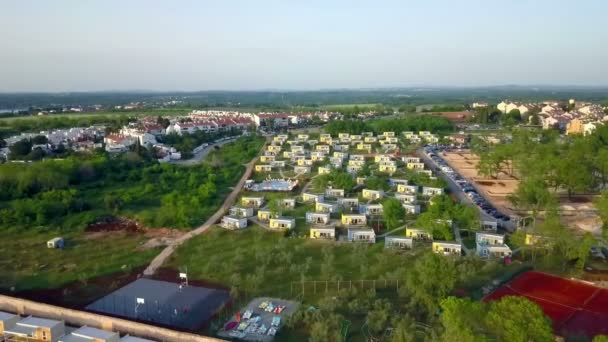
x: 91, y: 45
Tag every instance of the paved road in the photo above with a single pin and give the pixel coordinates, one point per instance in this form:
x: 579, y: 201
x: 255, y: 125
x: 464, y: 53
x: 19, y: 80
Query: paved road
x: 457, y: 191
x: 198, y: 157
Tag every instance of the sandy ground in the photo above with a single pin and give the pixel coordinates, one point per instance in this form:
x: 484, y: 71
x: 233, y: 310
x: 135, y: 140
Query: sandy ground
x: 577, y: 212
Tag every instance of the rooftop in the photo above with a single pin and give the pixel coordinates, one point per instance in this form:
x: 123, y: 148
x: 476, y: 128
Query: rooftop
x: 39, y: 322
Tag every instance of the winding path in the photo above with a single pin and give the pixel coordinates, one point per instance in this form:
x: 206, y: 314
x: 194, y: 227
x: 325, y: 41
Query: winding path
x: 160, y: 259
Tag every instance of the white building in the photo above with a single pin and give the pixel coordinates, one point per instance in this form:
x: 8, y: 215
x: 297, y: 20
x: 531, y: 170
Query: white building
x: 398, y: 242
x: 234, y: 222
x: 361, y: 235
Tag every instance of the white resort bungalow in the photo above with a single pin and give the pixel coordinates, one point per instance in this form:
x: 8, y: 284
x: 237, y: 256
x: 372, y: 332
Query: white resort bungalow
x: 301, y: 169
x: 309, y: 197
x: 398, y: 242
x: 255, y: 202
x: 405, y: 198
x: 323, y: 233
x: 334, y: 192
x: 324, y: 207
x: 489, y: 226
x: 491, y: 245
x: 317, y: 218
x: 372, y: 194
x: 234, y: 222
x: 430, y: 191
x: 348, y: 203
x: 412, y: 209
x: 418, y: 234
x: 407, y: 189
x: 372, y: 209
x: 241, y: 211
x: 354, y: 219
x: 324, y: 170
x: 288, y: 203
x: 447, y: 248
x: 282, y: 223
x: 361, y: 235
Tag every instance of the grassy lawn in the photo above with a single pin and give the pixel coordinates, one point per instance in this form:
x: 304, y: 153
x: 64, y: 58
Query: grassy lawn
x: 27, y: 263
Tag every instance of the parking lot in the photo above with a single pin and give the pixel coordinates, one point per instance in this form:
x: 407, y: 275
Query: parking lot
x: 463, y: 189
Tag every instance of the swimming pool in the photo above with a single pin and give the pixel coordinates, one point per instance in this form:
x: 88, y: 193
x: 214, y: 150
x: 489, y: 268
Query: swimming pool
x: 273, y: 185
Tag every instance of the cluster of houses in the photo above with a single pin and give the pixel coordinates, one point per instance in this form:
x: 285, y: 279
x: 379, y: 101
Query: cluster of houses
x: 488, y: 243
x: 573, y: 118
x: 76, y: 138
x: 16, y: 328
x: 334, y: 153
x: 253, y: 207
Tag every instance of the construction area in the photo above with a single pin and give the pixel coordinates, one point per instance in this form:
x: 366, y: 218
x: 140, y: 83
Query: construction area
x: 178, y: 306
x: 260, y: 320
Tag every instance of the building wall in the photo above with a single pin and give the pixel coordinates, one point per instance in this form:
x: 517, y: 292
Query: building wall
x: 80, y: 318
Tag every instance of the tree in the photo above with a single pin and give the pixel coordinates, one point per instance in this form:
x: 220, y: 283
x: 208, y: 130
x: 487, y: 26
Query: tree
x: 404, y: 329
x: 600, y: 166
x: 379, y: 317
x: 21, y: 148
x: 462, y: 319
x: 517, y: 319
x: 327, y: 329
x: 431, y: 278
x: 489, y: 164
x: 601, y: 204
x: 532, y: 195
x: 393, y: 212
x: 39, y: 140
x: 274, y: 206
x: 535, y: 120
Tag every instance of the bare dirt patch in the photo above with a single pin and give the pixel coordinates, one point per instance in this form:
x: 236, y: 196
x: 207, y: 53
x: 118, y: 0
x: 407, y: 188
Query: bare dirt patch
x: 112, y: 224
x: 158, y: 237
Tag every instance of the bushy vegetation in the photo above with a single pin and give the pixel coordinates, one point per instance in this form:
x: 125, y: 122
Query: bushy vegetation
x: 49, y: 122
x: 78, y: 189
x: 440, y: 210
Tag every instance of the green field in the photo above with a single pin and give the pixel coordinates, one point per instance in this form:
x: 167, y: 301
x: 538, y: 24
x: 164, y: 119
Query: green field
x: 27, y: 263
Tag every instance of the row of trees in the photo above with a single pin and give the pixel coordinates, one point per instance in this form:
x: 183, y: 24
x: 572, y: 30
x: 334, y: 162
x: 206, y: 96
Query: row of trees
x: 575, y: 164
x: 408, y: 123
x: 50, y: 122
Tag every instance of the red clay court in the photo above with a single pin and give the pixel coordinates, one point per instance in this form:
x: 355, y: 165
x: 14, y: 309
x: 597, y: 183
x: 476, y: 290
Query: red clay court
x: 575, y: 307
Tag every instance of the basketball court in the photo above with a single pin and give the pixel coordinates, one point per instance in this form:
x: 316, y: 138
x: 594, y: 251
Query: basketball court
x: 175, y: 305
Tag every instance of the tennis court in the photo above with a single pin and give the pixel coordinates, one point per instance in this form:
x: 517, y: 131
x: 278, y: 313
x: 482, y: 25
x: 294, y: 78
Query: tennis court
x: 575, y: 307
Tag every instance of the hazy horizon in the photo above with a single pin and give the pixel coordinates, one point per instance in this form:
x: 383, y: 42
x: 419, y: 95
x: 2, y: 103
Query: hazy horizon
x: 188, y: 46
